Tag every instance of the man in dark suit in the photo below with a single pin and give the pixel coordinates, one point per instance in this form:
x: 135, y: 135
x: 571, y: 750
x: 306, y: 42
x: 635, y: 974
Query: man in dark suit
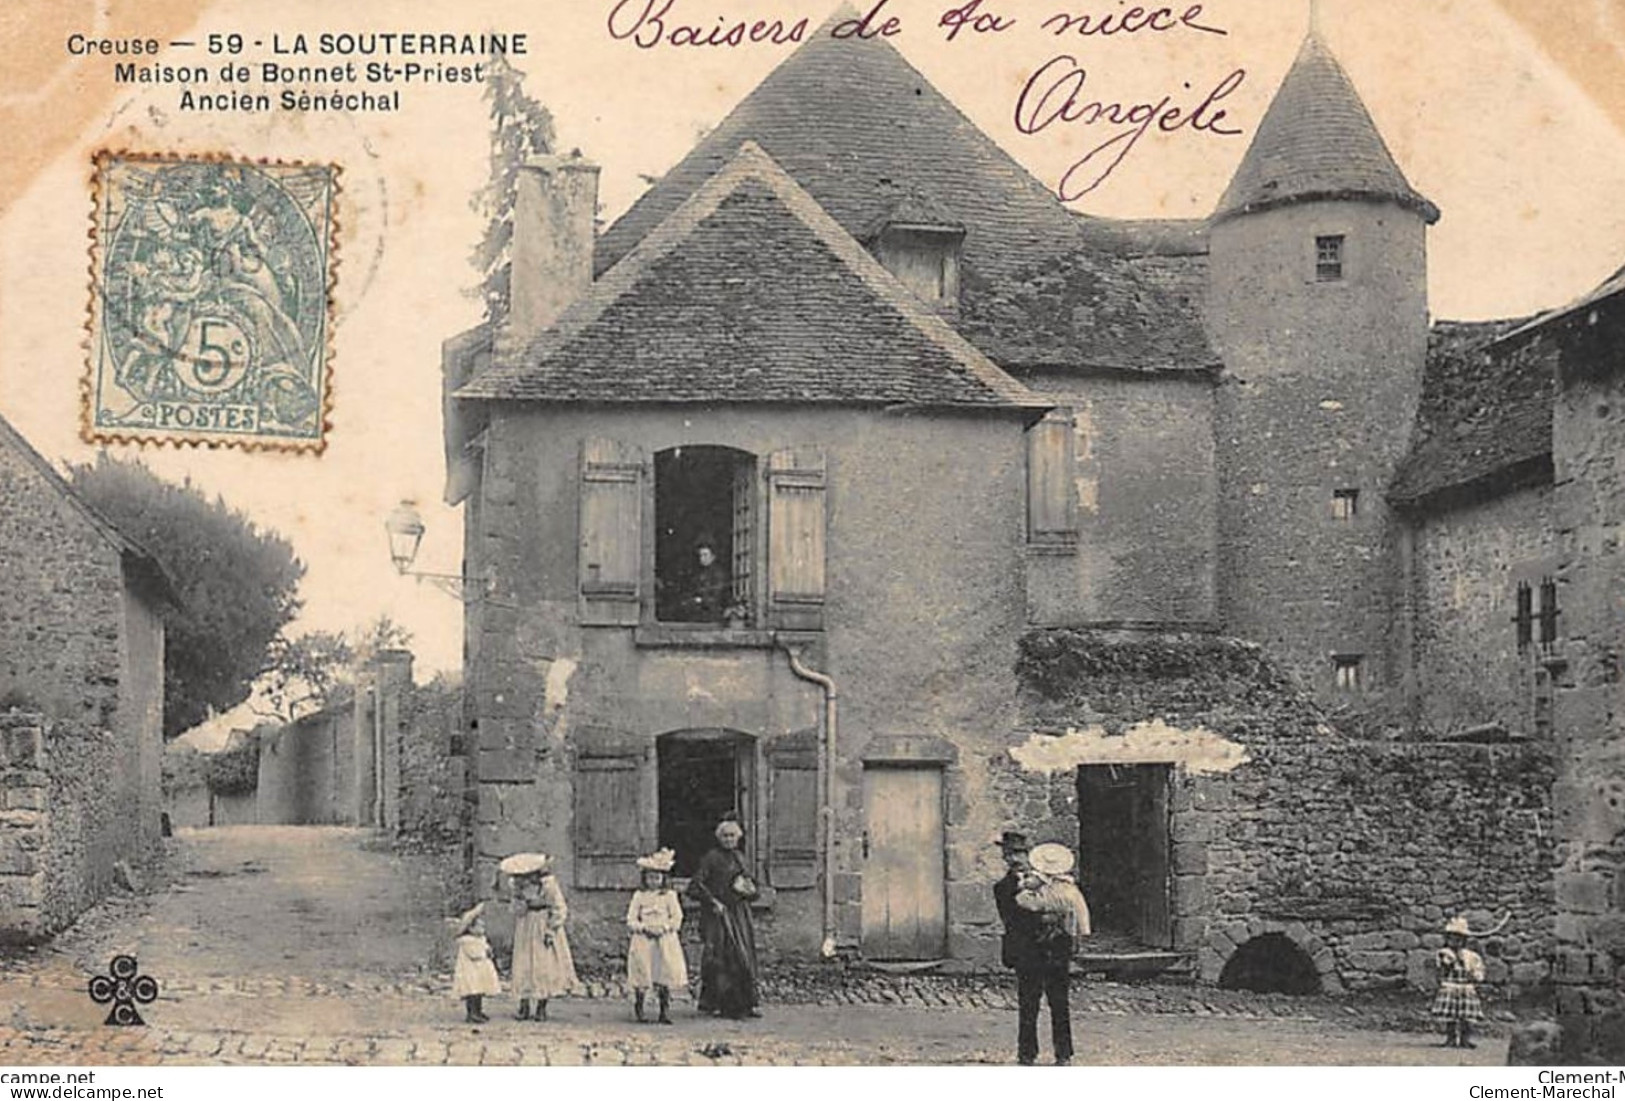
x: 1040, y: 959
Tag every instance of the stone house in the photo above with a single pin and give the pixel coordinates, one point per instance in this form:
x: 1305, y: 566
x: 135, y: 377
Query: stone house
x: 1015, y: 517
x: 81, y: 697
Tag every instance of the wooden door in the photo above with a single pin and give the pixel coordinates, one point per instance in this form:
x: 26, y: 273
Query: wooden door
x: 1152, y: 836
x: 904, y: 907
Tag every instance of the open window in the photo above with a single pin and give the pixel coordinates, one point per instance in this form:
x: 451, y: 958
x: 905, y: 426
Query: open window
x: 704, y: 774
x: 705, y: 535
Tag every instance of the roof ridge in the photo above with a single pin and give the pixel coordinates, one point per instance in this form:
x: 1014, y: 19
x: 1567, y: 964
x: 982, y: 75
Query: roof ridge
x: 750, y: 162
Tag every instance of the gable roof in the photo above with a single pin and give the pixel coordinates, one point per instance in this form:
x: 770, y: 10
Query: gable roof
x: 858, y: 127
x: 1484, y: 421
x: 1317, y: 141
x: 148, y: 571
x: 749, y: 292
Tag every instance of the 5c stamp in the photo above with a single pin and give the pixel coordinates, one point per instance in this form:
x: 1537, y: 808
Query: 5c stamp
x: 211, y: 298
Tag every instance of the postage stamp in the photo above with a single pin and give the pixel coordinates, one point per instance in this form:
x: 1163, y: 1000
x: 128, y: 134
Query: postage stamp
x: 211, y: 300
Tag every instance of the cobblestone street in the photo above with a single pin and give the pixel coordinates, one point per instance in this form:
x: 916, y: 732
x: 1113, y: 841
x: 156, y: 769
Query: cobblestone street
x: 314, y: 945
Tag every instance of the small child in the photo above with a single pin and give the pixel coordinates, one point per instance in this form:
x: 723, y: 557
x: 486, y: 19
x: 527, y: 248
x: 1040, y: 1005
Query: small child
x: 655, y: 955
x: 474, y: 975
x: 1460, y: 971
x: 1047, y: 889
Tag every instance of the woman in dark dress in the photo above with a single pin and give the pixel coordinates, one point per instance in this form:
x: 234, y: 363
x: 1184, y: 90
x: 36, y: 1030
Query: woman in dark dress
x: 724, y: 891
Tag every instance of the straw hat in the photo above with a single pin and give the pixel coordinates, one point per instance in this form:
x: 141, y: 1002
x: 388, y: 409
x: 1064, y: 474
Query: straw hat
x: 526, y: 864
x: 1051, y: 859
x: 469, y: 917
x: 661, y: 860
x: 1458, y: 925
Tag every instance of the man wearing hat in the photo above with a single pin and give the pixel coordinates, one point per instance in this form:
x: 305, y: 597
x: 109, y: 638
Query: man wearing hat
x: 1041, y: 960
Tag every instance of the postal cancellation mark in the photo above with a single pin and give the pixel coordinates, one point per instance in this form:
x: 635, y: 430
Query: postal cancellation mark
x: 211, y: 302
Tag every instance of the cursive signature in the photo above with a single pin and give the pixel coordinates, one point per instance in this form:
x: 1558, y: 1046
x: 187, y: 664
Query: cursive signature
x: 1055, y: 94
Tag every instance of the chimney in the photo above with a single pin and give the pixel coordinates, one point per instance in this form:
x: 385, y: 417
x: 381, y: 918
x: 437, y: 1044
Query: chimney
x: 553, y: 217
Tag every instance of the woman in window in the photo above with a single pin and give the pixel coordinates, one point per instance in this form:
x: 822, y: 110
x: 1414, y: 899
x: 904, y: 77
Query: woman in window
x: 724, y: 891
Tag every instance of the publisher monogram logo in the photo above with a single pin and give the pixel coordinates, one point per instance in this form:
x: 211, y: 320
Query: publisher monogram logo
x: 123, y: 986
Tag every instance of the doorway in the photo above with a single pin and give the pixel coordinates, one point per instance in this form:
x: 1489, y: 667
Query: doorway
x: 1126, y: 843
x: 904, y: 878
x: 704, y: 774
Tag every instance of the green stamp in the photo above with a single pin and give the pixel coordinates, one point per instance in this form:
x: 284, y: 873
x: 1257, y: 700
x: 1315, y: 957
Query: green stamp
x: 211, y: 304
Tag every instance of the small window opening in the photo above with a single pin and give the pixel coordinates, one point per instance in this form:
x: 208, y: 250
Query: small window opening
x: 1271, y: 964
x: 1345, y: 504
x: 1329, y: 258
x: 1524, y: 618
x: 702, y: 776
x: 705, y: 522
x: 1346, y: 668
x: 1548, y: 614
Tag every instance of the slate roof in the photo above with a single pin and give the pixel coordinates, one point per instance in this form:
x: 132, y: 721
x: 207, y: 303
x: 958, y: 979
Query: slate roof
x: 858, y: 127
x: 749, y: 292
x: 148, y: 572
x: 1485, y: 416
x: 1317, y: 141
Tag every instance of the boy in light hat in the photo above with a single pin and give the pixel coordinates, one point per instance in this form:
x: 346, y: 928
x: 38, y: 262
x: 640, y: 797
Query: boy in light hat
x: 1460, y: 971
x: 655, y: 956
x: 474, y: 975
x: 1048, y: 889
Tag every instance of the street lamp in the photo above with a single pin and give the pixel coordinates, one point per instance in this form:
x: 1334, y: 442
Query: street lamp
x: 405, y: 529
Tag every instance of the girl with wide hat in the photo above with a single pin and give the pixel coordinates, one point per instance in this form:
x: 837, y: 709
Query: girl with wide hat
x: 654, y: 958
x: 542, y: 964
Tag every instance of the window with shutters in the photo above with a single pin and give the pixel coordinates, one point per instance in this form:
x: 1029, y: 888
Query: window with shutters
x: 703, y: 775
x: 1052, y: 506
x: 1346, y: 670
x: 1523, y: 620
x: 705, y: 535
x: 797, y: 478
x: 1547, y: 616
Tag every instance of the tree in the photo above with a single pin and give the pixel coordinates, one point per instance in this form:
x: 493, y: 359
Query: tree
x: 318, y: 668
x: 237, y: 584
x: 520, y: 127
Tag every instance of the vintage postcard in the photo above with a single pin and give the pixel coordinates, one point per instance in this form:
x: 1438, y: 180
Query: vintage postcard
x: 789, y: 532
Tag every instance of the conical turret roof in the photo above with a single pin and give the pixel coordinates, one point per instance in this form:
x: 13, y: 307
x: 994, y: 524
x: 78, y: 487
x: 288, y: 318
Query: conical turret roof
x: 1317, y: 141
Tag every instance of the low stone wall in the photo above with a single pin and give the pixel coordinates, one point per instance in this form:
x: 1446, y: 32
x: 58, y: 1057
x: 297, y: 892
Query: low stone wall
x: 24, y: 825
x: 1357, y: 852
x: 432, y: 802
x: 1354, y: 851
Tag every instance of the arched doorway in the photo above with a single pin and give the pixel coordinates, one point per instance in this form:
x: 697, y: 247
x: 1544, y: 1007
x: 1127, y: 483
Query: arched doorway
x: 704, y: 774
x: 1271, y: 964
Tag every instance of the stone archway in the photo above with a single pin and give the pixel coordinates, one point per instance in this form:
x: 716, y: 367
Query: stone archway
x: 1294, y: 942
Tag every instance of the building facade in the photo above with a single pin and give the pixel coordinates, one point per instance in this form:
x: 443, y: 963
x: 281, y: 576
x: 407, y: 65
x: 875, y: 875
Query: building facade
x: 81, y: 697
x: 851, y: 482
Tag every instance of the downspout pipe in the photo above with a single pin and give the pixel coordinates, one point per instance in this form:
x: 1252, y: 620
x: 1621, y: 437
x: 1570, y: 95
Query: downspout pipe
x: 826, y: 812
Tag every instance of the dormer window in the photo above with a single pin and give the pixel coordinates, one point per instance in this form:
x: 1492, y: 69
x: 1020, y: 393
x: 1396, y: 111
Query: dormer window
x: 919, y: 242
x: 925, y: 260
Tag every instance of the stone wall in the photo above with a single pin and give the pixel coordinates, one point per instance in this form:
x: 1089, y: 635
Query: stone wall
x: 1319, y: 392
x: 1467, y: 563
x: 433, y: 801
x: 78, y: 648
x: 299, y: 769
x: 1147, y: 496
x: 24, y: 824
x: 1588, y: 445
x: 1354, y: 851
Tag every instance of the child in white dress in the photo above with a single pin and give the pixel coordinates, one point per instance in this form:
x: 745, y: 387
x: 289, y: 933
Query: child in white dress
x: 654, y: 958
x: 474, y: 975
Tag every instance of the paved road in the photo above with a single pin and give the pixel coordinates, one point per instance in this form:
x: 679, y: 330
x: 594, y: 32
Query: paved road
x: 312, y: 945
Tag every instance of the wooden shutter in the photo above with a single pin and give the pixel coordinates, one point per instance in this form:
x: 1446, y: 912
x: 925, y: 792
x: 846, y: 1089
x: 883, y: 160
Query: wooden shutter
x: 611, y: 531
x: 1052, y: 507
x: 795, y: 539
x: 792, y: 815
x: 608, y: 826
